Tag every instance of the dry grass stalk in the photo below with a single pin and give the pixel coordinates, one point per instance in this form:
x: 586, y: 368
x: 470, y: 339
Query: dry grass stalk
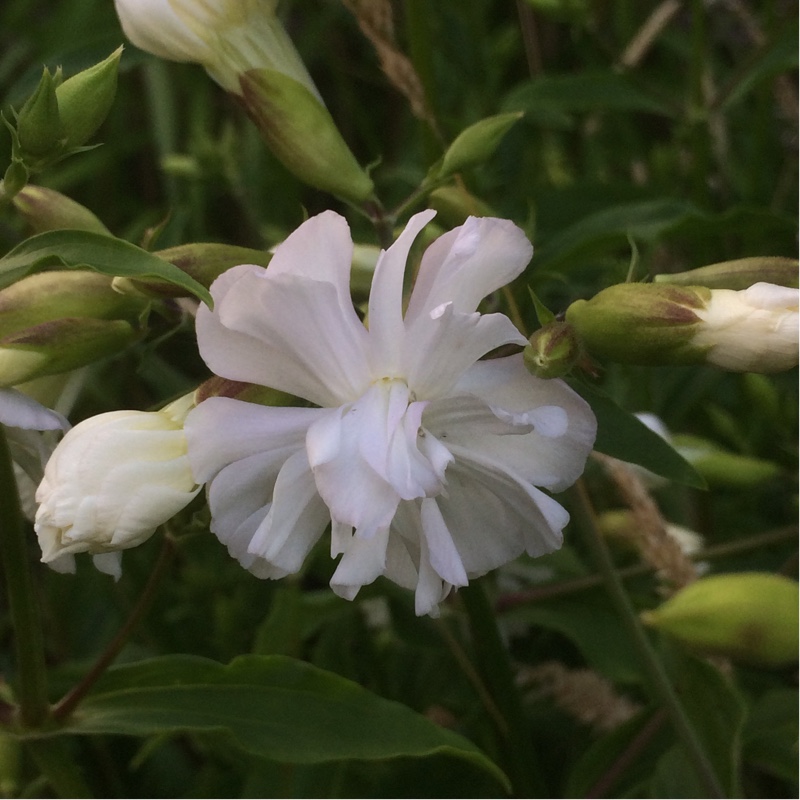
x: 657, y: 548
x: 375, y: 20
x: 585, y: 695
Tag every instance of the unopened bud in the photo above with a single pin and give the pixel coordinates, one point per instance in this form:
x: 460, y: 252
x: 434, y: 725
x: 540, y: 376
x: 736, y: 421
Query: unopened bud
x: 454, y: 204
x: 40, y: 131
x: 85, y: 99
x: 52, y: 322
x: 203, y: 261
x: 738, y: 274
x: 475, y: 144
x: 552, y: 351
x: 721, y: 468
x: 641, y: 323
x: 59, y: 346
x: 238, y: 390
x: 48, y: 210
x: 753, y: 330
x: 750, y: 617
x: 302, y: 135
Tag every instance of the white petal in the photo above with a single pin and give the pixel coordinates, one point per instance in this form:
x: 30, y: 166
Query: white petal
x: 17, y: 410
x: 355, y: 494
x: 109, y: 563
x: 441, y: 349
x: 442, y: 551
x: 386, y: 300
x: 222, y: 430
x: 363, y: 561
x: 552, y: 455
x: 296, y: 519
x: 286, y: 331
x: 466, y: 264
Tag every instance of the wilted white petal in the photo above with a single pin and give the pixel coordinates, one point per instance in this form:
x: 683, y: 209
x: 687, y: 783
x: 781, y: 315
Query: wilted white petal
x: 17, y: 410
x: 362, y: 562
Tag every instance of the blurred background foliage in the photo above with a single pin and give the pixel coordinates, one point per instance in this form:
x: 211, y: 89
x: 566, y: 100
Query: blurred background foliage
x: 668, y: 148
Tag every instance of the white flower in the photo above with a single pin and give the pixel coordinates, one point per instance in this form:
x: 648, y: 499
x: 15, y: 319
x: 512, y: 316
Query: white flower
x: 111, y: 481
x: 228, y: 37
x: 751, y: 330
x: 424, y: 459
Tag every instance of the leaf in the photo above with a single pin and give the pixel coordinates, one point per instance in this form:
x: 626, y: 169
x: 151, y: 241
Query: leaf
x: 587, y: 91
x: 622, y: 435
x: 716, y: 712
x: 104, y: 254
x: 272, y: 706
x: 770, y: 734
x: 646, y: 220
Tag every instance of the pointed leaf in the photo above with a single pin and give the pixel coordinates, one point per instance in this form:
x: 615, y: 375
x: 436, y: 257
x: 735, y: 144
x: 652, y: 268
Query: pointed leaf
x: 271, y: 706
x: 105, y: 254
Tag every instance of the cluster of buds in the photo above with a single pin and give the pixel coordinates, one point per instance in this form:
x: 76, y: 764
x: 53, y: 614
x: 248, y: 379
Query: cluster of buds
x: 58, y: 119
x: 246, y: 50
x: 52, y: 322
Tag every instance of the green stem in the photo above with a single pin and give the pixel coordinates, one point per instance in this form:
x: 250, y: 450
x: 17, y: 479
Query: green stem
x: 58, y: 767
x: 657, y: 677
x: 494, y: 664
x: 22, y: 601
x: 69, y: 702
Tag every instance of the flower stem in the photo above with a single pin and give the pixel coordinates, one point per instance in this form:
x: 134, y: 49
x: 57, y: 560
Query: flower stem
x: 495, y: 666
x: 656, y: 675
x: 58, y: 767
x: 69, y: 702
x: 22, y: 601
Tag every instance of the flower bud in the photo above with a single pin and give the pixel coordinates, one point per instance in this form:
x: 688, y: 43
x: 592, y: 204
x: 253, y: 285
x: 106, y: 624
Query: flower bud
x: 111, y: 481
x: 227, y: 37
x: 552, y: 351
x: 302, y: 135
x: 755, y: 329
x: 752, y: 330
x: 721, y: 468
x: 85, y: 99
x: 48, y: 210
x: 475, y: 144
x: 40, y: 132
x: 454, y: 204
x: 737, y: 274
x: 751, y: 617
x: 203, y: 261
x: 51, y: 322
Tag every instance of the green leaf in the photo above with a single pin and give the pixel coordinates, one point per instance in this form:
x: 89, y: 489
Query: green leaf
x: 583, y: 92
x: 621, y: 435
x: 612, y: 227
x: 770, y: 734
x: 105, y: 254
x: 717, y: 712
x: 271, y: 706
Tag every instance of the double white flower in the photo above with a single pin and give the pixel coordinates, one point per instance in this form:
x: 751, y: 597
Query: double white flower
x: 424, y: 460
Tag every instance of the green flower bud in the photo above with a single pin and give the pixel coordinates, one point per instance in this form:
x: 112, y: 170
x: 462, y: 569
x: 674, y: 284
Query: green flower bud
x: 59, y: 346
x: 752, y: 330
x: 750, y: 617
x: 641, y: 323
x: 14, y: 180
x: 52, y: 322
x: 49, y: 296
x: 40, y: 131
x: 738, y: 274
x: 203, y: 261
x: 552, y: 351
x: 721, y: 468
x: 302, y: 134
x: 454, y: 204
x: 475, y: 144
x: 85, y: 99
x: 48, y: 210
